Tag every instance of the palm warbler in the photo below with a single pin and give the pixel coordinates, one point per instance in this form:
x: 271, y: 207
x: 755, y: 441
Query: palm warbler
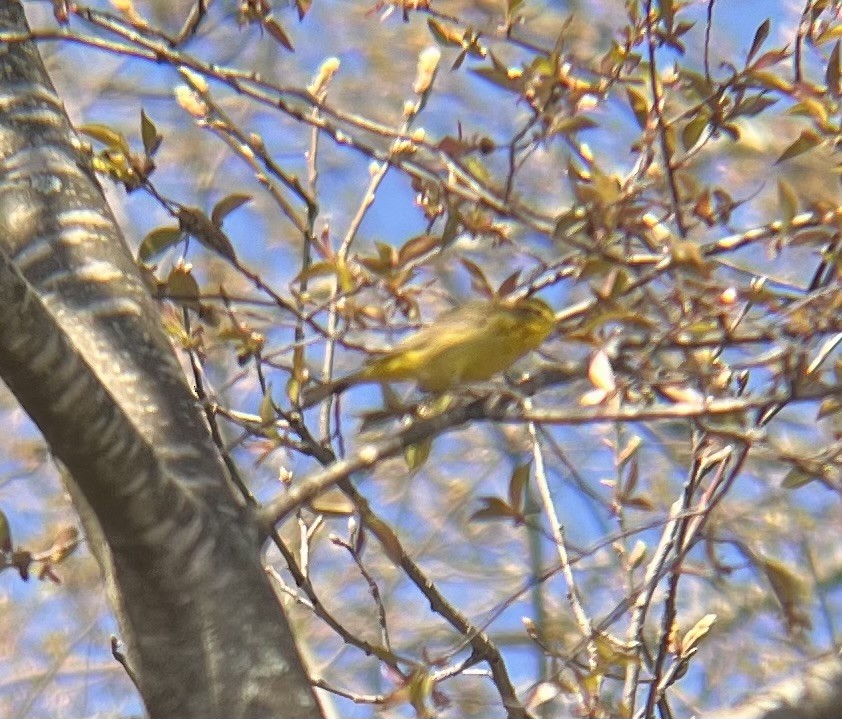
x: 471, y: 343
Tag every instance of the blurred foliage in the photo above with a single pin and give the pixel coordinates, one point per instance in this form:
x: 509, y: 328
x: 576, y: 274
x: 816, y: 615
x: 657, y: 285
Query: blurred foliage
x: 664, y: 174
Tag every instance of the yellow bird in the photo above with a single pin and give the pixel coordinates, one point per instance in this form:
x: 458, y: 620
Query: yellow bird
x: 471, y: 343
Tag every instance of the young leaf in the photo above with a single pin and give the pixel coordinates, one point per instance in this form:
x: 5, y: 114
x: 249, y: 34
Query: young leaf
x: 108, y: 137
x: 479, y: 282
x: 64, y: 544
x: 797, y: 477
x: 828, y: 406
x: 157, y: 241
x: 806, y: 141
x: 759, y: 38
x: 276, y: 31
x: 790, y: 590
x: 517, y: 485
x: 443, y: 34
x: 387, y: 538
x: 639, y: 106
x: 601, y: 373
x: 695, y: 635
x: 149, y: 135
x: 494, y: 508
x: 787, y: 199
x: 182, y: 286
x: 197, y: 224
x: 753, y: 105
x: 303, y: 7
x: 831, y: 75
x: 267, y: 414
x: 417, y: 247
x: 226, y: 206
x: 334, y: 503
x: 417, y: 454
x: 667, y: 12
x: 693, y: 130
x: 5, y: 534
x: 508, y: 285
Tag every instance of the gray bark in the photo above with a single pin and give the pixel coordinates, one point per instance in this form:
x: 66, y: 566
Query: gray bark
x: 82, y: 348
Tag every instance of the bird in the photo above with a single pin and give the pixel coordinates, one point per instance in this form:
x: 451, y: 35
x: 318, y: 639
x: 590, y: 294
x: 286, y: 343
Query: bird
x: 470, y: 343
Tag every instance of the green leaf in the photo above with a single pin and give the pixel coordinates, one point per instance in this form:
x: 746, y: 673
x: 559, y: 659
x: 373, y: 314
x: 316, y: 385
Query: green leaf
x: 387, y: 538
x: 829, y: 406
x: 787, y: 199
x: 274, y: 28
x: 451, y: 227
x: 417, y: 454
x: 335, y: 504
x: 149, y: 135
x: 789, y: 589
x: 772, y: 81
x: 513, y: 6
x: 693, y: 130
x: 639, y: 106
x: 226, y: 206
x: 669, y: 141
x: 806, y: 141
x: 797, y: 477
x: 753, y: 105
x: 182, y: 286
x: 317, y: 269
x: 812, y: 108
x: 420, y: 691
x: 107, y: 136
x: 157, y: 241
x: 267, y: 414
x: 417, y: 247
x: 570, y: 125
x: 833, y: 32
x: 500, y: 77
x: 478, y: 169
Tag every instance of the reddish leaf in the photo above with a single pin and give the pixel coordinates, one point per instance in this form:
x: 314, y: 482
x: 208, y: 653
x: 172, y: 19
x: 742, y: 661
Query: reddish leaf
x: 517, y: 485
x: 832, y: 73
x: 417, y: 247
x: 759, y: 38
x: 479, y: 282
x: 495, y: 508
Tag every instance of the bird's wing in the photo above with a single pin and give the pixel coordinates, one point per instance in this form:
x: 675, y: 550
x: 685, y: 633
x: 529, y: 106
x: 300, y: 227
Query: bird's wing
x: 452, y: 328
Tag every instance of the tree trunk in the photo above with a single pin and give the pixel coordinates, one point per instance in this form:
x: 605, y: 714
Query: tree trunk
x: 82, y: 348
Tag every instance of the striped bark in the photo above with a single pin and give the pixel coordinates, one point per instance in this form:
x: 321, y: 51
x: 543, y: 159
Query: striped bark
x: 83, y: 350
